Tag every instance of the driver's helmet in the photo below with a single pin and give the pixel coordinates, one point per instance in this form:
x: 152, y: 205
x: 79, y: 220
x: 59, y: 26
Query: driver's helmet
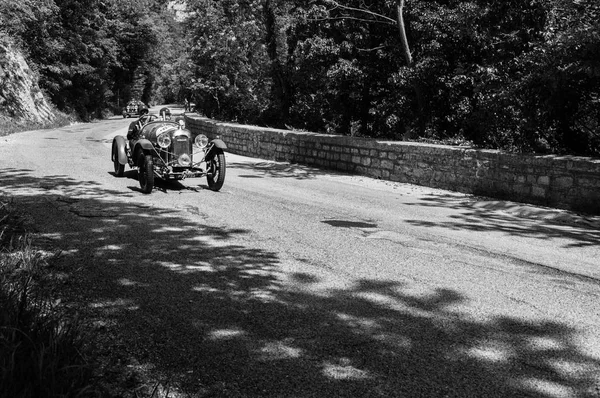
x: 165, y: 113
x: 144, y: 110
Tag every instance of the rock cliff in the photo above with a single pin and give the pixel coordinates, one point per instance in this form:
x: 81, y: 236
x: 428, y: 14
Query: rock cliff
x: 20, y: 96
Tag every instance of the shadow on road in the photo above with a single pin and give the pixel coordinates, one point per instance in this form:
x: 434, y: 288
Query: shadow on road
x: 484, y: 214
x: 183, y: 304
x: 268, y: 169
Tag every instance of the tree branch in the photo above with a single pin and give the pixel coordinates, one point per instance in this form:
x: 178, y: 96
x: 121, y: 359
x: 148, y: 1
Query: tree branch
x: 371, y: 49
x: 361, y: 10
x: 350, y: 18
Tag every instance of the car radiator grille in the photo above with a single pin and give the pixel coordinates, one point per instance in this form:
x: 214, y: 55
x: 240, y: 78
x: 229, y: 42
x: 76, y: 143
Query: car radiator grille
x: 181, y: 146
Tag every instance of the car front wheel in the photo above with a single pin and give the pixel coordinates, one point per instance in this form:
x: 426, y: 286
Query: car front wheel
x: 145, y: 172
x: 216, y: 171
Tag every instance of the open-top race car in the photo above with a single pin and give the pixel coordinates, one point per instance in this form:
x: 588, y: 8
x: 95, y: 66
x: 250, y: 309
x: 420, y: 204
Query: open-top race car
x: 156, y: 146
x: 133, y: 108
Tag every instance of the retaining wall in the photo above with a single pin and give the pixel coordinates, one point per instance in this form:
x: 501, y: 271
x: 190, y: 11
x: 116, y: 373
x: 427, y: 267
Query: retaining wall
x: 566, y: 182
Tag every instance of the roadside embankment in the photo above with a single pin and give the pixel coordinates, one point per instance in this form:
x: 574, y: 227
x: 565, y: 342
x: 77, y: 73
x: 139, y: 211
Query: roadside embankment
x: 565, y: 182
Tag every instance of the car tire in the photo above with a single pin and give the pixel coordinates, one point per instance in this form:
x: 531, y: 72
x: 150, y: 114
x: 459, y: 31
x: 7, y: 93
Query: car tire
x: 145, y: 172
x: 119, y: 168
x: 216, y: 168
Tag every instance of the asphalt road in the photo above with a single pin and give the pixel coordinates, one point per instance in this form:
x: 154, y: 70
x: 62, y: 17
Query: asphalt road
x: 298, y: 282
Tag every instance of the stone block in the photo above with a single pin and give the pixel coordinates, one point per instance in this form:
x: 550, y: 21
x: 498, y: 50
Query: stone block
x: 589, y: 182
x: 563, y: 182
x: 387, y: 165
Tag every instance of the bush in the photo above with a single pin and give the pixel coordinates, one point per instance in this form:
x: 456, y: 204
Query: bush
x: 41, y: 348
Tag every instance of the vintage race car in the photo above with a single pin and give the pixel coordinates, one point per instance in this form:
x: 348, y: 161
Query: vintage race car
x: 133, y: 108
x: 159, y: 147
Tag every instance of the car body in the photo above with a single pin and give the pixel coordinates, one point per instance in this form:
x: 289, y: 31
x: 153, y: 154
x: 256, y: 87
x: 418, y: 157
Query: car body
x: 133, y: 108
x: 159, y: 147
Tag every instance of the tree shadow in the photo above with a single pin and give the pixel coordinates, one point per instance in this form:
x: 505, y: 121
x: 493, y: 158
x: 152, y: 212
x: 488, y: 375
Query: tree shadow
x: 272, y: 169
x: 484, y: 214
x: 187, y: 306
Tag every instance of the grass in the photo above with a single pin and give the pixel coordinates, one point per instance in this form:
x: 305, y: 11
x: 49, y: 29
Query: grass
x: 41, y: 348
x: 10, y: 125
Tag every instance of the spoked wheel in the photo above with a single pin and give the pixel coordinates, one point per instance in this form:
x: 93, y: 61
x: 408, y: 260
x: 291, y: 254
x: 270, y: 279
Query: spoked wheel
x: 145, y: 172
x: 119, y: 168
x: 216, y: 171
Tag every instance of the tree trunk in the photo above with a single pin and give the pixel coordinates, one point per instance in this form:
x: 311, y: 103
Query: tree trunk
x: 402, y: 29
x: 281, y: 91
x: 410, y: 63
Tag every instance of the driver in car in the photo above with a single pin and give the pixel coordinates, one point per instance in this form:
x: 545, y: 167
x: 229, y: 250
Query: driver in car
x: 135, y: 127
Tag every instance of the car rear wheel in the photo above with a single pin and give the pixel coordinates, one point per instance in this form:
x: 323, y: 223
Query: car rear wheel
x: 119, y: 168
x: 145, y: 172
x: 216, y: 171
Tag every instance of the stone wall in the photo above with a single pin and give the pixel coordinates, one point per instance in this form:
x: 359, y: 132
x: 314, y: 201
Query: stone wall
x: 566, y: 182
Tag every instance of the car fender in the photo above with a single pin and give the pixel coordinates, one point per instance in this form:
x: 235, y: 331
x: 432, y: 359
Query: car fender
x: 120, y: 143
x: 215, y: 145
x: 219, y: 143
x: 142, y: 145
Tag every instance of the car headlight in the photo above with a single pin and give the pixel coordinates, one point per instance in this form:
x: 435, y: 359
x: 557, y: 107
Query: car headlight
x: 164, y: 140
x: 184, y: 160
x: 201, y: 140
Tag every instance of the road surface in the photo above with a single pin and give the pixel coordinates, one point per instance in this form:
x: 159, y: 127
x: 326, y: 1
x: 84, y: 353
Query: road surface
x: 298, y: 282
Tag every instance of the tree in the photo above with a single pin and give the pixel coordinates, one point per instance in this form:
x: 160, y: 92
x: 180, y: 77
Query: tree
x: 229, y: 56
x: 280, y: 48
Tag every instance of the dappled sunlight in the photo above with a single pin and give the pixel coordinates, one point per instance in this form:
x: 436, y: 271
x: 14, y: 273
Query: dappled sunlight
x: 364, y: 323
x: 225, y: 334
x: 129, y: 282
x: 547, y: 388
x: 390, y: 302
x: 279, y: 350
x: 543, y: 343
x: 491, y: 352
x: 344, y: 371
x: 205, y: 289
x: 108, y: 248
x: 214, y: 314
x: 172, y: 229
x: 485, y: 215
x: 111, y: 307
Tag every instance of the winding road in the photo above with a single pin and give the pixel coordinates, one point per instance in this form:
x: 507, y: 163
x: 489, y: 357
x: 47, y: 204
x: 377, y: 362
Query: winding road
x: 299, y: 282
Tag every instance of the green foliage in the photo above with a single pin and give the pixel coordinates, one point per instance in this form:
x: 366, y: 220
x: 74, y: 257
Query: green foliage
x: 228, y: 55
x: 40, y: 347
x: 520, y: 75
x: 517, y: 75
x: 92, y: 55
